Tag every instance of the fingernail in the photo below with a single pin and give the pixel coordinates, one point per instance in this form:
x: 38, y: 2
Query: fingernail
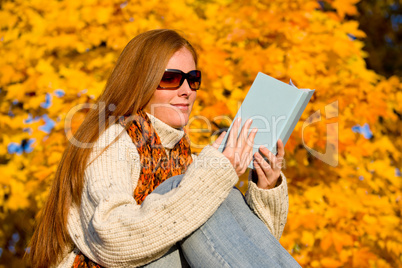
x: 255, y: 163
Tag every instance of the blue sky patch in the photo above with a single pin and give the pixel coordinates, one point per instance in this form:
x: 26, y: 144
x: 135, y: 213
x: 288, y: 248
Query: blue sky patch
x: 49, y: 124
x: 48, y: 101
x: 365, y: 130
x: 19, y: 148
x: 59, y: 93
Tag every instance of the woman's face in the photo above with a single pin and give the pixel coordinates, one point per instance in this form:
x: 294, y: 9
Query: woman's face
x: 173, y: 107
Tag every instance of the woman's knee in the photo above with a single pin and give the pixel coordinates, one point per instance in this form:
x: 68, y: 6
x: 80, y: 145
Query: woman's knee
x: 235, y: 195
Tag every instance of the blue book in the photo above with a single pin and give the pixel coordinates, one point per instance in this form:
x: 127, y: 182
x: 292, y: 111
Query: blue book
x: 275, y: 108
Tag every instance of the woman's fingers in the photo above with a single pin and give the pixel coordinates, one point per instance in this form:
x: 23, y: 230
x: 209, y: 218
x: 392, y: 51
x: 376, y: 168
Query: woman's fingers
x: 232, y: 139
x: 243, y: 137
x: 245, y: 144
x: 247, y: 151
x: 247, y: 148
x: 239, y: 147
x: 268, y: 166
x: 264, y: 181
x: 218, y: 141
x: 264, y: 165
x: 258, y: 168
x: 281, y: 149
x: 280, y: 155
x: 239, y: 151
x: 268, y: 155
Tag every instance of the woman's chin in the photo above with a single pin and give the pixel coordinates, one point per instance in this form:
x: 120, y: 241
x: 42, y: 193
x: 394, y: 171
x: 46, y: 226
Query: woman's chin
x: 178, y: 124
x: 176, y: 119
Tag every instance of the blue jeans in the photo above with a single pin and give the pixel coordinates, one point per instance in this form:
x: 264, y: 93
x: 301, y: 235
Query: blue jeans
x: 232, y: 237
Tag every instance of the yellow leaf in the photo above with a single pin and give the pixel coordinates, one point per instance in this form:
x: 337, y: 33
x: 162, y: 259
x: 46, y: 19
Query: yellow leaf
x: 326, y: 241
x: 362, y: 257
x: 329, y: 262
x: 307, y: 238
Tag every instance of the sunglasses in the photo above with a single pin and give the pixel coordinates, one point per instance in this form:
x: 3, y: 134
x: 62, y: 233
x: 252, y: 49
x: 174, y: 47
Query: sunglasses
x: 173, y: 79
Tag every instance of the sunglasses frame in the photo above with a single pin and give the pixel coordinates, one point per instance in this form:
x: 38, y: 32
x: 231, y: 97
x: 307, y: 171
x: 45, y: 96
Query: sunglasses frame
x: 184, y: 76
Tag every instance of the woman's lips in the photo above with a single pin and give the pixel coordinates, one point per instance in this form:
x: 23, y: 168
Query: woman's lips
x: 182, y: 107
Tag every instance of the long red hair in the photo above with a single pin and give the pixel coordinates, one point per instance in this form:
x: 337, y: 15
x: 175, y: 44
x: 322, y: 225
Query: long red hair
x: 132, y: 83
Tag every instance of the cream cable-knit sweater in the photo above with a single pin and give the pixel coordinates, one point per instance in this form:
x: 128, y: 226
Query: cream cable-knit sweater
x: 113, y: 230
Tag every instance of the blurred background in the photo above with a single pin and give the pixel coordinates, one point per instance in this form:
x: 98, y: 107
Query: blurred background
x: 56, y: 54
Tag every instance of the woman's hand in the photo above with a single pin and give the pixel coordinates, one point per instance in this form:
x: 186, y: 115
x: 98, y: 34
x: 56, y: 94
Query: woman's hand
x: 239, y: 150
x: 268, y: 172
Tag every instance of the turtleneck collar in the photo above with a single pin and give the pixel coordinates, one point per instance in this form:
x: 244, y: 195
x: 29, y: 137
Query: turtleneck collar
x: 169, y: 136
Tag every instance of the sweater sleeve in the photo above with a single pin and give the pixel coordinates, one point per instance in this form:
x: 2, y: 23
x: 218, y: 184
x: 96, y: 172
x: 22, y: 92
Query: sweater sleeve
x: 114, y: 231
x: 270, y: 205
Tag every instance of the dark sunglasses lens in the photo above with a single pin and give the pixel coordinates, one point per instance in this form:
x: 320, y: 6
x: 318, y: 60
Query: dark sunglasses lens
x: 170, y: 80
x: 194, y: 79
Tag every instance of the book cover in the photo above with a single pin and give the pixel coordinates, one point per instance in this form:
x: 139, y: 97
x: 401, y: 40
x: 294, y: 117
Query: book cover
x: 275, y: 108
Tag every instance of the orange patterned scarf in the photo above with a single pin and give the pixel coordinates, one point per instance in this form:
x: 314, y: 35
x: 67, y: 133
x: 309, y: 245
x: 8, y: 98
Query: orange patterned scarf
x: 156, y: 165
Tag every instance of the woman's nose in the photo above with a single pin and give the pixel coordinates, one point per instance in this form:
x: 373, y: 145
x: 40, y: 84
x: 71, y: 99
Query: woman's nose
x: 184, y: 89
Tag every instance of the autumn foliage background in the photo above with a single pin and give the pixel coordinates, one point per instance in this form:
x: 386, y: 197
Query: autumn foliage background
x: 55, y: 55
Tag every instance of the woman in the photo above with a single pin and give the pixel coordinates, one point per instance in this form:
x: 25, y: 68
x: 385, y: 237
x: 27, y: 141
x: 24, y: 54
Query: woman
x: 101, y: 210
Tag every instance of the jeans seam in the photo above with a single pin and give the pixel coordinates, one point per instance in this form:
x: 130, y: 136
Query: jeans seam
x: 211, y: 244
